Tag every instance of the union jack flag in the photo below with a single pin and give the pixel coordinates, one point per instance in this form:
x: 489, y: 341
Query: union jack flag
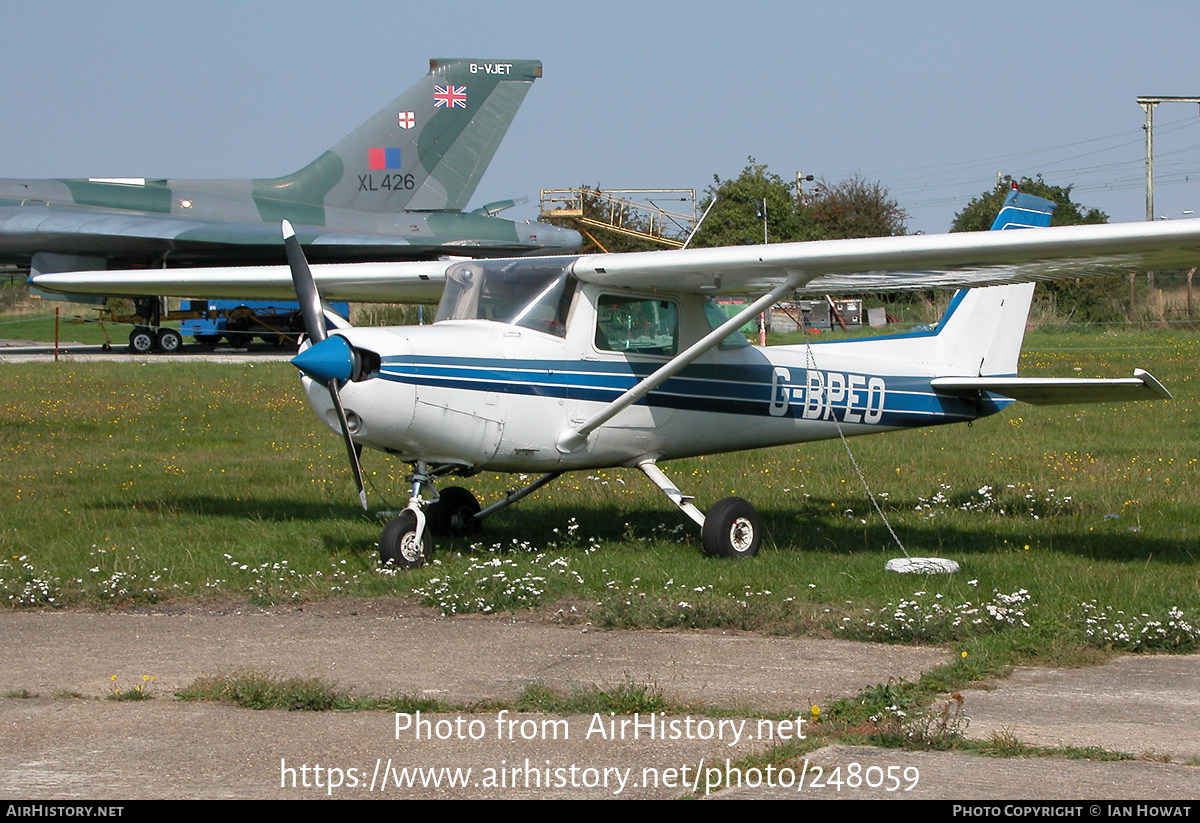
x: 449, y: 97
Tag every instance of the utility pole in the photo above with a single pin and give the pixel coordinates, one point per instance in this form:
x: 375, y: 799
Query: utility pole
x: 762, y: 317
x: 801, y: 179
x: 1148, y: 105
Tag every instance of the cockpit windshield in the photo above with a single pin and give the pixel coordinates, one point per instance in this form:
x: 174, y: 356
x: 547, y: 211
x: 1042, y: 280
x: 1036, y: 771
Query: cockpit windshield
x: 534, y: 293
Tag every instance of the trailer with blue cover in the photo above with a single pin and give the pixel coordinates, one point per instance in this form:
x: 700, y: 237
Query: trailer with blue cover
x: 238, y: 322
x: 241, y: 321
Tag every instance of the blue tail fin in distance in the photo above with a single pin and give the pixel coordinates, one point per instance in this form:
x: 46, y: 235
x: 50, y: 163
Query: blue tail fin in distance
x: 1024, y: 211
x: 982, y: 331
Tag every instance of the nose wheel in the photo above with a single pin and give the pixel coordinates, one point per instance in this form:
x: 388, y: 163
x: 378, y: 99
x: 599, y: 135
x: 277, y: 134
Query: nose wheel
x: 407, y: 539
x: 402, y: 545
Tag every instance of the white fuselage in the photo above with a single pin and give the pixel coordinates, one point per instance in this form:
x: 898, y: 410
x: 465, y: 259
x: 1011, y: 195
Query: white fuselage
x: 495, y: 396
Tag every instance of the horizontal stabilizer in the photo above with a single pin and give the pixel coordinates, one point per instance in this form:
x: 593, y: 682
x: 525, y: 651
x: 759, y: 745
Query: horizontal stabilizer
x: 1053, y: 391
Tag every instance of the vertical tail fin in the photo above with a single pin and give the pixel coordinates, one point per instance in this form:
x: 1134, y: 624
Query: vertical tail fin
x: 982, y: 330
x: 426, y: 150
x: 1024, y: 211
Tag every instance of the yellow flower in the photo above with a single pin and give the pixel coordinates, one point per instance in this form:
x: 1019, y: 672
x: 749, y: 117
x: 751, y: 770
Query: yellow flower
x: 815, y: 711
x: 964, y: 654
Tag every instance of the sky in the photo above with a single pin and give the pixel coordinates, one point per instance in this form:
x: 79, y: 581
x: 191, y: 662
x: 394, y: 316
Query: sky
x: 932, y: 99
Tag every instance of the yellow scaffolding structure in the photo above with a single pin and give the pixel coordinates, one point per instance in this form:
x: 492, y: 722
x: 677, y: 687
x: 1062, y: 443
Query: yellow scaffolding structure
x: 632, y: 212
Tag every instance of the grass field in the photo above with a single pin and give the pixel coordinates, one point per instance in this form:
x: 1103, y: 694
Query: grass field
x: 1078, y: 528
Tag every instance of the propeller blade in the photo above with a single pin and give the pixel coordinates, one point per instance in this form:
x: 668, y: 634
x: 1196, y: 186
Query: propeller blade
x: 352, y: 448
x: 306, y: 287
x: 322, y: 362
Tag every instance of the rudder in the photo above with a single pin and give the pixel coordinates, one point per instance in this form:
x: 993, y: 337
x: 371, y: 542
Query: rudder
x: 425, y: 151
x: 983, y: 328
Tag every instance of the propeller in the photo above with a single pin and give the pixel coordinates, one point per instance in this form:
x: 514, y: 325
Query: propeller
x: 330, y: 359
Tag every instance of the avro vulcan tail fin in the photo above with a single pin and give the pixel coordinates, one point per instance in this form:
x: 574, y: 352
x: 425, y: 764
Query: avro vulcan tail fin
x: 425, y: 151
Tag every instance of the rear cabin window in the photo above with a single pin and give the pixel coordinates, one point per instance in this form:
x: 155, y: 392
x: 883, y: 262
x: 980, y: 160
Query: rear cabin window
x: 716, y: 317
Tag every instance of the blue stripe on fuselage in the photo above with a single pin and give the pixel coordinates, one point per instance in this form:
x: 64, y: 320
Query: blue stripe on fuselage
x: 898, y: 402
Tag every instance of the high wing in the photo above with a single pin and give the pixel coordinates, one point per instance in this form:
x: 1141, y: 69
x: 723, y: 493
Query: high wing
x: 914, y: 262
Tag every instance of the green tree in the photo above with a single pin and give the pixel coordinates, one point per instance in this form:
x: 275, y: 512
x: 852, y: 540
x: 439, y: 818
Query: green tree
x: 736, y: 219
x: 850, y: 208
x: 1087, y: 299
x: 854, y: 208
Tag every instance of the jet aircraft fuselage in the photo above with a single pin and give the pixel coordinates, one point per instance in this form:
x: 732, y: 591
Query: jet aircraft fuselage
x: 205, y: 222
x: 394, y: 189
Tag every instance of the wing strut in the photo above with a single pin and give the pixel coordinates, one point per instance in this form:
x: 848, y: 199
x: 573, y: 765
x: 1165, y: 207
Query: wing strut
x: 572, y: 440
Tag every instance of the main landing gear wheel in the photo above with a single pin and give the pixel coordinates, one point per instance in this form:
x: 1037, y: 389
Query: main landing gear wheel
x: 169, y: 341
x: 732, y: 528
x: 141, y: 340
x: 454, y: 512
x: 398, y: 545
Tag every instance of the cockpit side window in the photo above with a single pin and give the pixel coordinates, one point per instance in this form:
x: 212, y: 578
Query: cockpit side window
x: 637, y: 325
x: 547, y: 312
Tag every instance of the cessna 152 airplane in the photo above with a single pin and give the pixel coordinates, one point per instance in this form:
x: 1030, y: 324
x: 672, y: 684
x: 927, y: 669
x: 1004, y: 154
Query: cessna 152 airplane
x: 393, y: 189
x: 566, y: 363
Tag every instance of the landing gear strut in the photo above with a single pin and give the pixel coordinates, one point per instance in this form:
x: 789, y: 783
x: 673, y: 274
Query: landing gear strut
x: 732, y: 528
x: 407, y: 539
